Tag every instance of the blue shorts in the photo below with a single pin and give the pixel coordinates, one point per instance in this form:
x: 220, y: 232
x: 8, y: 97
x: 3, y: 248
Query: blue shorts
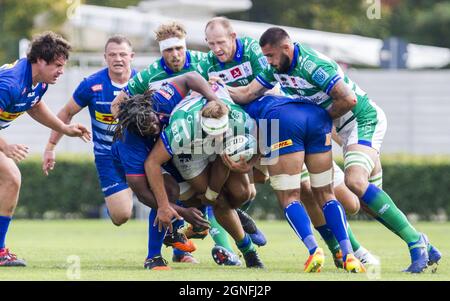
x: 302, y: 127
x: 111, y: 180
x: 129, y: 157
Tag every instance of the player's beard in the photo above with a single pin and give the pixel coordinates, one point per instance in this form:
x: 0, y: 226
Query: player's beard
x: 284, y: 63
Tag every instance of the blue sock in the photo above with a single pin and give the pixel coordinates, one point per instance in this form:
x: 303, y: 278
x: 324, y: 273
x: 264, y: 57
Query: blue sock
x: 209, y: 211
x: 337, y: 222
x: 299, y: 220
x: 155, y: 238
x: 4, y: 224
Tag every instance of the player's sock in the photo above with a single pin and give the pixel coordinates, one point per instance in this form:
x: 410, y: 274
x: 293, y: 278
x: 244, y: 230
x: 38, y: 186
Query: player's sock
x: 4, y: 224
x: 155, y: 238
x: 379, y: 219
x: 337, y: 221
x: 246, y: 205
x: 177, y: 224
x: 245, y: 245
x: 355, y: 243
x: 380, y: 202
x: 329, y: 238
x: 299, y: 220
x: 217, y: 232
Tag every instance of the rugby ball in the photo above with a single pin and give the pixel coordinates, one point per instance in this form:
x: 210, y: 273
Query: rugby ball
x: 240, y: 145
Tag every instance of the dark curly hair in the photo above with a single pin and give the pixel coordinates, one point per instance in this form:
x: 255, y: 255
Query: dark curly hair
x: 48, y: 46
x: 136, y: 114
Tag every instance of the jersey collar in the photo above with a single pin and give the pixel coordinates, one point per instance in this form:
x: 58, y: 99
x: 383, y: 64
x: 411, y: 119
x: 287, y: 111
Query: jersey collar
x: 294, y: 59
x: 238, y: 55
x: 169, y: 71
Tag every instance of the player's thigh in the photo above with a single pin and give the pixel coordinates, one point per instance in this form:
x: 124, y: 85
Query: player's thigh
x: 120, y: 203
x: 239, y: 189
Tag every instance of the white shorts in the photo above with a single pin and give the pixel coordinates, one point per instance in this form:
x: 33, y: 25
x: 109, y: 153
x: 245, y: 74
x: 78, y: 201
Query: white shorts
x: 368, y: 129
x: 191, y: 166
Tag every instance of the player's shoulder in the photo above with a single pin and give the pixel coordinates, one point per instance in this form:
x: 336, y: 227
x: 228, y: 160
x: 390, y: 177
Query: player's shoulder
x: 250, y: 45
x: 97, y: 77
x: 13, y: 76
x: 198, y: 55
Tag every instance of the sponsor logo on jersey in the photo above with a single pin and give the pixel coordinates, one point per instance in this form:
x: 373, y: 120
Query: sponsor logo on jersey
x: 7, y: 116
x: 281, y: 144
x: 97, y: 88
x: 224, y: 77
x: 309, y: 66
x: 105, y: 118
x: 263, y: 62
x: 236, y: 72
x: 167, y: 91
x: 320, y: 76
x: 256, y: 49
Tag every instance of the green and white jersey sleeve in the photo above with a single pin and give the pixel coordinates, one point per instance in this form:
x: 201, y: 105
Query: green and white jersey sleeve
x: 311, y: 76
x: 158, y: 73
x: 184, y: 135
x: 247, y: 63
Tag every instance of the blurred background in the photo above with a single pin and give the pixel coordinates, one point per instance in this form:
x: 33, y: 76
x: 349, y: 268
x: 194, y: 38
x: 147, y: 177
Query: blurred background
x: 396, y: 50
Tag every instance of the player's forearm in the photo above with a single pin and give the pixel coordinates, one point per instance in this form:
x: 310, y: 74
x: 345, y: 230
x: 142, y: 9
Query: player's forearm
x: 195, y: 82
x: 42, y: 114
x: 221, y: 173
x: 340, y: 107
x: 55, y: 136
x: 3, y: 144
x: 344, y: 99
x: 115, y: 104
x: 241, y: 95
x: 156, y: 181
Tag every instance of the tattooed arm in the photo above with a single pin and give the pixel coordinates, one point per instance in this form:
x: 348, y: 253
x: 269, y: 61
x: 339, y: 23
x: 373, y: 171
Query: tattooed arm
x: 343, y: 100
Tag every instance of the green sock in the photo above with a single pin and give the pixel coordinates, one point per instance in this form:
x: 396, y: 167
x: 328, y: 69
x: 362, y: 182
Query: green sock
x: 219, y: 235
x: 380, y: 202
x: 355, y: 243
x: 245, y: 245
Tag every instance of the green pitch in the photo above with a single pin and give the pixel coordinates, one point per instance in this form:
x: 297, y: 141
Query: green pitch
x: 107, y: 252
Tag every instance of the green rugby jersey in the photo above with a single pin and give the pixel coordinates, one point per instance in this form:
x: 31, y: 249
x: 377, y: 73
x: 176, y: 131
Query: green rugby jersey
x: 311, y: 76
x: 184, y: 134
x: 247, y: 63
x: 157, y: 73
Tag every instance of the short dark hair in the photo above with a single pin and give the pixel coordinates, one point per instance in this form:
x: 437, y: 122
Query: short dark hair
x: 118, y: 39
x: 273, y: 36
x: 48, y: 46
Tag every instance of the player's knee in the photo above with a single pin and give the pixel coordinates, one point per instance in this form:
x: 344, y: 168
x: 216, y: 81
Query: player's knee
x: 306, y: 193
x: 121, y: 218
x: 12, y: 180
x: 356, y: 183
x: 352, y: 208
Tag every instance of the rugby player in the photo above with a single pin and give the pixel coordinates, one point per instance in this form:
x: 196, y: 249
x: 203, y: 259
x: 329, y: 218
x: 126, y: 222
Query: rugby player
x: 309, y: 75
x: 175, y: 60
x: 22, y: 85
x: 97, y: 92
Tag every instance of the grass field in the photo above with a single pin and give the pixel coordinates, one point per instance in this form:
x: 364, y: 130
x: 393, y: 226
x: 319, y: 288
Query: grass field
x: 107, y: 252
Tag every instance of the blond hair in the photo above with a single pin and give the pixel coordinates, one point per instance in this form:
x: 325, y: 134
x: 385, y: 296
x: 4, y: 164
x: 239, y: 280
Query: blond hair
x: 214, y: 109
x: 223, y: 21
x: 170, y: 30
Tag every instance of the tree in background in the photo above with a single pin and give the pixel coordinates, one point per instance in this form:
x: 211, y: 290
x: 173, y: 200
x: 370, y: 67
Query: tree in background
x: 22, y: 19
x: 418, y: 21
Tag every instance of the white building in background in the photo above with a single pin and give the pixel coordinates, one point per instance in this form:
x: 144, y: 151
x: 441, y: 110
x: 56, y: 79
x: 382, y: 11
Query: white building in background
x: 417, y: 103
